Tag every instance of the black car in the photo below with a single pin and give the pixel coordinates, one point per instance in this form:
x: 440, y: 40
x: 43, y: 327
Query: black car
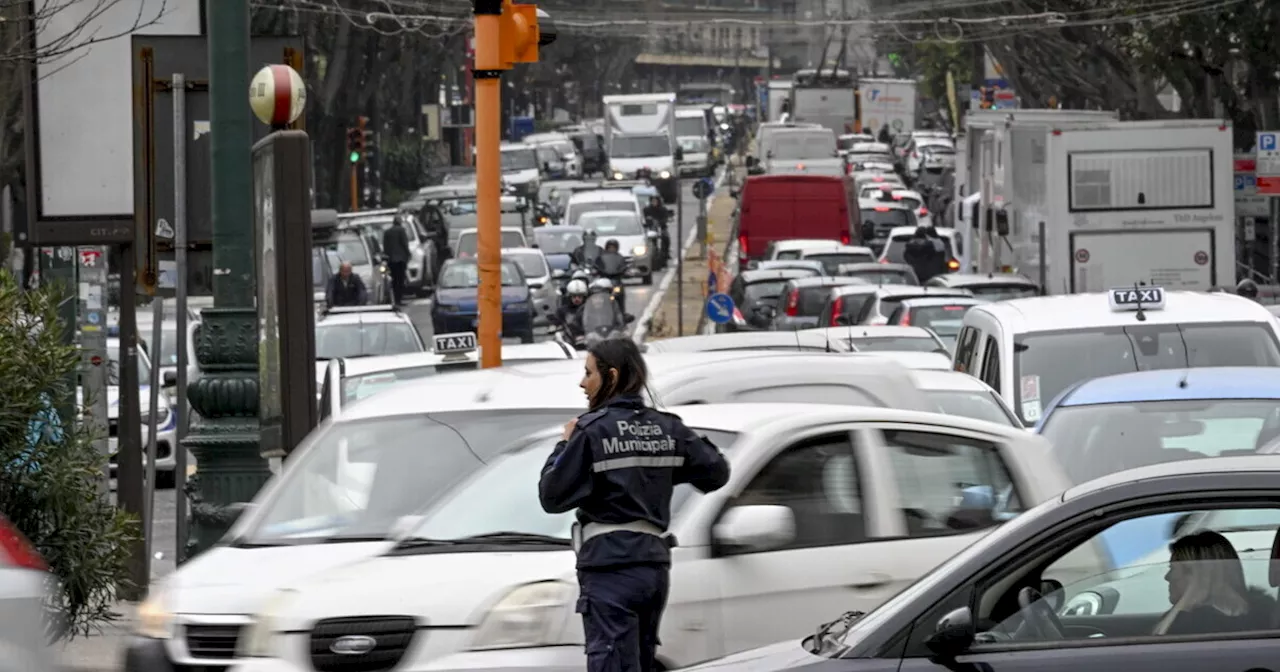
x: 1041, y: 593
x: 591, y: 147
x: 755, y: 294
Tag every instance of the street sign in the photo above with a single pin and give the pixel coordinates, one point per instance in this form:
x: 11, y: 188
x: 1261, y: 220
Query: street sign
x: 719, y: 308
x: 703, y: 188
x: 1268, y: 164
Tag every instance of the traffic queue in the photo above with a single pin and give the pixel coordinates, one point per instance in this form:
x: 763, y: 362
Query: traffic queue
x: 926, y: 469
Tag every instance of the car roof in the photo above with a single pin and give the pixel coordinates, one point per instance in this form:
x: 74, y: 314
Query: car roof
x: 874, y: 266
x: 743, y: 341
x: 978, y: 279
x: 1093, y: 310
x: 829, y: 281
x: 923, y: 292
x: 1218, y: 465
x: 464, y: 232
x: 601, y: 195
x: 770, y: 274
x: 868, y: 203
x: 533, y: 251
x: 916, y: 361
x: 938, y: 379
x: 805, y: 243
x: 768, y: 264
x: 1227, y: 382
x: 363, y: 317
x: 360, y: 366
x: 840, y: 249
x: 559, y: 228
x: 510, y: 146
x: 873, y: 331
x: 738, y: 417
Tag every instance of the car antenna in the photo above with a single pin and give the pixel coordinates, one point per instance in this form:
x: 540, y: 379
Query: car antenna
x: 826, y: 333
x: 1141, y: 315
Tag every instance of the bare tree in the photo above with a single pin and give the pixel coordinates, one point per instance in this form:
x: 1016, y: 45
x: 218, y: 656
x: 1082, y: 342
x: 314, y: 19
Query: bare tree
x: 45, y: 30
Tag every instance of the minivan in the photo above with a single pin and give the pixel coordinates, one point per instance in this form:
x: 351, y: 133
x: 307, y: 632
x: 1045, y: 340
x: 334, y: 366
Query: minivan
x: 780, y: 207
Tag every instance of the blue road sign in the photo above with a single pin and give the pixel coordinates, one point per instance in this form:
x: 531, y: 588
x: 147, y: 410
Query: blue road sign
x: 720, y: 308
x: 93, y: 317
x: 1267, y: 142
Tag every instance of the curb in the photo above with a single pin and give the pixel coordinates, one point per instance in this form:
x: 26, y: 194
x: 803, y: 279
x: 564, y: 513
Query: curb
x: 642, y: 324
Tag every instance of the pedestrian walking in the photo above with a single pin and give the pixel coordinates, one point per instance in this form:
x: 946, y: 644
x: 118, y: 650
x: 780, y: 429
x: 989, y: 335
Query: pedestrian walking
x: 617, y: 464
x: 346, y: 288
x: 395, y: 244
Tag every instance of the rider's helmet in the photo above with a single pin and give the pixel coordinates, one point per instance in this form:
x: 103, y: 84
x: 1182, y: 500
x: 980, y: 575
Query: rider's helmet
x: 588, y: 237
x: 580, y: 275
x: 602, y: 285
x: 611, y: 245
x: 576, y: 288
x: 1247, y: 288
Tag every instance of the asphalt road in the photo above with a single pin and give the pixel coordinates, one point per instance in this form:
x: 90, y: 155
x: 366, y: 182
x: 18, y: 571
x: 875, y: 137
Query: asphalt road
x: 638, y: 296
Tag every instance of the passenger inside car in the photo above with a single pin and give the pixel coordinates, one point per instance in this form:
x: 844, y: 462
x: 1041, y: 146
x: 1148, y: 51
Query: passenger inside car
x: 1207, y: 589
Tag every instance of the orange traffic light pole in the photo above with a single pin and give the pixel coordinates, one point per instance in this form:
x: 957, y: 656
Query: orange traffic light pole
x: 505, y: 34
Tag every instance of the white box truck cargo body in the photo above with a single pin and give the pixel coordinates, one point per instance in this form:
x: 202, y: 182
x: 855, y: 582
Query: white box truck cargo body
x: 888, y: 101
x: 1122, y: 203
x: 640, y: 137
x: 779, y: 93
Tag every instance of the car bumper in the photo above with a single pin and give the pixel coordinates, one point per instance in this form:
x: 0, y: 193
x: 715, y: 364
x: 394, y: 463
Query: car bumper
x: 512, y: 323
x: 143, y: 654
x: 544, y: 659
x: 166, y: 442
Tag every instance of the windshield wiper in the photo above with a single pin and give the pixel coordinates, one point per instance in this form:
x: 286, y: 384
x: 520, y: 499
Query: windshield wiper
x: 353, y: 538
x: 513, y: 538
x: 827, y: 633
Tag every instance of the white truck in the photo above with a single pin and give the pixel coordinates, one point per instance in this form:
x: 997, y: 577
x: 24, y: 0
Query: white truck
x: 828, y: 98
x: 779, y: 92
x: 1121, y: 203
x: 640, y: 138
x: 694, y: 135
x: 975, y: 148
x: 888, y: 102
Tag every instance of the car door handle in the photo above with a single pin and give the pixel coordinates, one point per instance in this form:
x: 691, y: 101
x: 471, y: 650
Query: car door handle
x: 872, y: 580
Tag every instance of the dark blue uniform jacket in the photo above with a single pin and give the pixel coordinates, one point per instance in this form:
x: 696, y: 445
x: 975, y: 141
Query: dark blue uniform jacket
x: 619, y: 466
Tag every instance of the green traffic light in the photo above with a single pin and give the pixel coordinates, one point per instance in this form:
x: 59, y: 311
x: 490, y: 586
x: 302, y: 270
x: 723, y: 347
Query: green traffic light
x: 355, y: 157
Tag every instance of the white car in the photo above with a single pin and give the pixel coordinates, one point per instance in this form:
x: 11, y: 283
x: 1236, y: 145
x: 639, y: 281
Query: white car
x: 879, y: 338
x: 520, y: 168
x: 538, y: 275
x: 364, y: 331
x: 897, y: 244
x: 29, y: 588
x: 469, y: 241
x: 916, y: 152
x: 570, y: 159
x: 166, y: 419
x: 634, y: 241
x: 828, y: 508
x: 586, y: 200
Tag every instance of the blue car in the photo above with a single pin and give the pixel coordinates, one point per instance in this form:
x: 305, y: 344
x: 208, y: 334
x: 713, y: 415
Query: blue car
x: 1110, y: 424
x: 557, y: 244
x: 455, y: 306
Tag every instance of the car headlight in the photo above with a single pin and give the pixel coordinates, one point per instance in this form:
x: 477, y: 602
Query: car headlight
x: 162, y: 417
x: 259, y: 640
x: 617, y: 175
x: 531, y: 615
x: 154, y: 618
x: 639, y: 250
x: 664, y: 174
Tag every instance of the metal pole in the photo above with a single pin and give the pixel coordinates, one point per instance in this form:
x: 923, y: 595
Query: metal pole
x: 488, y: 133
x: 149, y: 518
x: 679, y: 259
x: 1274, y: 228
x: 180, y: 257
x: 355, y: 187
x: 1044, y: 266
x: 129, y: 487
x: 702, y: 226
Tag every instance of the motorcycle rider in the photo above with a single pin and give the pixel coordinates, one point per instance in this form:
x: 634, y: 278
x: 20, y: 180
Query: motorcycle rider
x: 1248, y: 289
x: 586, y: 254
x: 569, y: 313
x: 925, y: 253
x: 612, y: 265
x: 657, y: 211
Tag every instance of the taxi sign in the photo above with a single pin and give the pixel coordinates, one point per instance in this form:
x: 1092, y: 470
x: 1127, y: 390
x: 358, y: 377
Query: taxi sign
x: 449, y: 344
x: 1137, y: 298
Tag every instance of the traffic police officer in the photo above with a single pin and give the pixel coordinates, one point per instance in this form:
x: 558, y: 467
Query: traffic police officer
x: 617, y: 465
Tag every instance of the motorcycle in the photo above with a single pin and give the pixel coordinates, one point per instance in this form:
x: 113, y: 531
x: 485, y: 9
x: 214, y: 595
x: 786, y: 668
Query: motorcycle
x: 602, y: 318
x: 660, y: 238
x: 613, y: 268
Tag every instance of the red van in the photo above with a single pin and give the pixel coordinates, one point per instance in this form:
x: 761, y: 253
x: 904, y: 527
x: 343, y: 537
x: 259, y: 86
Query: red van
x: 786, y: 207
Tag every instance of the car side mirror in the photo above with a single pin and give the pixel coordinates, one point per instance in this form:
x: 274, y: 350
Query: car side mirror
x: 953, y: 634
x: 1002, y: 223
x: 758, y: 527
x: 628, y: 318
x: 679, y: 154
x: 170, y: 379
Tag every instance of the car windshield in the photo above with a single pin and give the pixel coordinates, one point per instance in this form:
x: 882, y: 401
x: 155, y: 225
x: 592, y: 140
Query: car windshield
x: 466, y: 275
x: 831, y: 260
x: 352, y: 339
x: 945, y: 321
x: 884, y: 218
x: 519, y: 159
x: 640, y: 146
x: 557, y: 242
x: 803, y: 146
x: 113, y: 375
x: 691, y: 127
x: 763, y: 292
x: 971, y: 404
x: 693, y: 144
x: 577, y: 210
x: 1003, y: 292
x: 1100, y: 439
x: 599, y: 313
x: 607, y: 224
x: 895, y: 344
x: 533, y: 265
x: 884, y: 277
x: 468, y: 241
x: 896, y: 249
x: 355, y: 479
x: 499, y: 498
x: 1046, y: 363
x: 355, y: 388
x: 349, y: 246
x: 168, y: 355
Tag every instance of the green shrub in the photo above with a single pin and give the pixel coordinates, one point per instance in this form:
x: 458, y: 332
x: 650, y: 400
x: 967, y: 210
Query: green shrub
x: 49, y: 478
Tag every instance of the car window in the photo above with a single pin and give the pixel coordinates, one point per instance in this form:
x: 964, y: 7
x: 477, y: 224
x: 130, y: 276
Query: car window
x: 895, y: 251
x: 355, y: 388
x: 757, y: 292
x: 607, y: 224
x: 366, y: 340
x: 991, y: 367
x: 818, y: 480
x: 533, y: 265
x: 1206, y: 582
x: 466, y: 274
x: 788, y: 254
x: 468, y: 241
x: 884, y: 277
x: 966, y: 349
x: 885, y: 218
x: 349, y: 246
x: 113, y: 373
x: 949, y: 484
x: 977, y: 405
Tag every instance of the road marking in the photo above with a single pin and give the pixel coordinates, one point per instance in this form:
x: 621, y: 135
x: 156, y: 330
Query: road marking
x: 642, y: 324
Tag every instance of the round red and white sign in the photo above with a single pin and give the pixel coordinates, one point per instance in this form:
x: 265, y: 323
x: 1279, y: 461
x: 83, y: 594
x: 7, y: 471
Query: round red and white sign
x: 1202, y: 257
x: 277, y: 95
x: 1082, y: 256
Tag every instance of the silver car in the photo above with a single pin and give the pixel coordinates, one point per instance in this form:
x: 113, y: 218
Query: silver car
x: 538, y: 274
x: 25, y: 587
x: 633, y: 241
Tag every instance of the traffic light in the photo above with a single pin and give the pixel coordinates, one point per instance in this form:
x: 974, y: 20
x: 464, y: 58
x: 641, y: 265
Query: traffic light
x: 355, y: 138
x: 519, y: 33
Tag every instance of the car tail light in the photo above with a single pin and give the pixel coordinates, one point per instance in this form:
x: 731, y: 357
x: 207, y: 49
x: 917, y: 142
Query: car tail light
x: 953, y: 265
x: 905, y: 320
x: 799, y: 166
x: 882, y: 208
x: 837, y: 307
x: 16, y: 551
x: 737, y: 317
x: 742, y: 246
x: 793, y: 303
x: 953, y: 307
x: 844, y: 238
x: 924, y: 212
x: 884, y: 261
x: 848, y: 168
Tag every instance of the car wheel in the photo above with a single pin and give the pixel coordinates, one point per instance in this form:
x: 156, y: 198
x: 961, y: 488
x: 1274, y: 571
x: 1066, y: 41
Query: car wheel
x: 165, y: 480
x: 647, y: 279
